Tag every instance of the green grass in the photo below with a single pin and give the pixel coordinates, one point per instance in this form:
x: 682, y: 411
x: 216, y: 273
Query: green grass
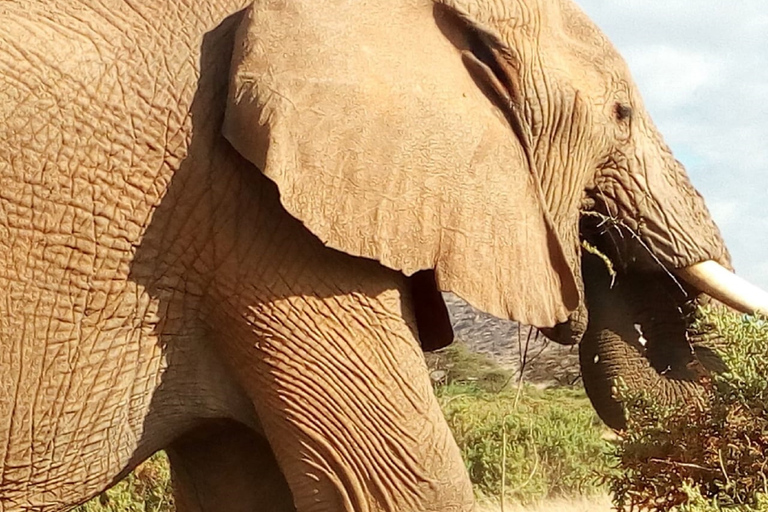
x: 521, y: 443
x: 545, y: 444
x: 147, y: 489
x: 461, y: 365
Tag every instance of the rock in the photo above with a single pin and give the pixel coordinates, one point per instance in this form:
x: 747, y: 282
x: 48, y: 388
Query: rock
x: 438, y: 376
x: 512, y: 345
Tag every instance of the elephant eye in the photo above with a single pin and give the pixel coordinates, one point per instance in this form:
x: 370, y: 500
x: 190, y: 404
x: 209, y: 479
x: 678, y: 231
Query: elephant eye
x: 622, y: 111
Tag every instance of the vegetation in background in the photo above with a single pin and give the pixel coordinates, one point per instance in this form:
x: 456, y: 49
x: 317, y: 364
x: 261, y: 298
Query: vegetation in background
x: 538, y: 445
x: 457, y: 364
x: 703, y: 459
x: 147, y: 489
x: 522, y: 443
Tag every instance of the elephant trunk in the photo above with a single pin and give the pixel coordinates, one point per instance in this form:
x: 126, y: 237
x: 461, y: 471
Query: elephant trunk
x: 637, y: 334
x: 721, y: 284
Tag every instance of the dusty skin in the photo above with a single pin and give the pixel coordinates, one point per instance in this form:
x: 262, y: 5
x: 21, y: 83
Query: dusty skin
x: 224, y: 227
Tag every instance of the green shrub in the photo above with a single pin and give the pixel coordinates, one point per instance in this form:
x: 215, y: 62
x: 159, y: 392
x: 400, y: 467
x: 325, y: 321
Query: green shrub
x: 710, y: 458
x: 147, y: 489
x: 462, y: 366
x: 544, y: 443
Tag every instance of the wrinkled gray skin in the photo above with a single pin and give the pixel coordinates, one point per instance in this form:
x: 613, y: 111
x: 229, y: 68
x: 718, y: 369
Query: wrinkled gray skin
x: 157, y: 294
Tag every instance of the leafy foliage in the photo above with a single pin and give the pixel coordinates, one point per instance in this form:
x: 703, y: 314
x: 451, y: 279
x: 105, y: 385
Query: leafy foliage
x: 147, y: 489
x: 524, y: 443
x: 542, y: 444
x: 709, y: 458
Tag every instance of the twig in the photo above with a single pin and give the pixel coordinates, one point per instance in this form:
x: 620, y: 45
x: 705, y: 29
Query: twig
x: 535, y: 460
x: 591, y: 249
x: 523, y: 361
x: 503, y: 463
x: 722, y: 467
x: 683, y: 465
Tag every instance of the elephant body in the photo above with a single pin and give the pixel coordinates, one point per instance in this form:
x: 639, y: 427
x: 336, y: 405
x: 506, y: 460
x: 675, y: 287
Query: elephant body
x: 146, y: 265
x: 224, y: 227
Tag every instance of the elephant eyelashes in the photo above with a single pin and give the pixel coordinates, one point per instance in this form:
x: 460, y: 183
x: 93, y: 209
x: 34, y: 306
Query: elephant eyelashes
x: 622, y: 111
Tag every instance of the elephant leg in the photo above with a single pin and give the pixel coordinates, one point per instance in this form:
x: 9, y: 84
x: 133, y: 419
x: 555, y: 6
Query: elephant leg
x: 638, y: 331
x: 226, y: 467
x: 341, y: 387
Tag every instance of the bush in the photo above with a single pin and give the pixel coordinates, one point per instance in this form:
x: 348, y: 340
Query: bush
x: 457, y: 364
x: 542, y: 444
x: 709, y: 458
x: 525, y: 444
x: 147, y: 489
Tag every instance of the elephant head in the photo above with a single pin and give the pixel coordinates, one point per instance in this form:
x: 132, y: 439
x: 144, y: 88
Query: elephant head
x: 488, y: 141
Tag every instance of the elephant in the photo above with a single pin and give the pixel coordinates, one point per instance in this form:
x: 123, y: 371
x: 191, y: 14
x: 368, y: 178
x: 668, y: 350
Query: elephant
x: 225, y: 226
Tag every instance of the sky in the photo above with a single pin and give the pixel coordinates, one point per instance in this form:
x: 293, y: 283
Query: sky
x: 702, y: 69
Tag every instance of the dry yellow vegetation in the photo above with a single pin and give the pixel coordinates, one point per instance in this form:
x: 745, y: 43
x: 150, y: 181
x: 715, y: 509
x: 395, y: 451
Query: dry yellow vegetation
x: 579, y: 504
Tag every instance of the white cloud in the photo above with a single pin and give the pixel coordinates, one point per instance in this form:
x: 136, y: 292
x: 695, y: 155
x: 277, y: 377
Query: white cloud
x: 671, y: 76
x: 725, y: 213
x: 702, y: 68
x: 761, y: 272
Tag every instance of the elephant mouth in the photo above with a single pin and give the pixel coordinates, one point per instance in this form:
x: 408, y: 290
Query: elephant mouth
x: 644, y: 331
x: 625, y: 264
x: 642, y: 325
x: 623, y: 251
x: 654, y: 315
x: 640, y: 321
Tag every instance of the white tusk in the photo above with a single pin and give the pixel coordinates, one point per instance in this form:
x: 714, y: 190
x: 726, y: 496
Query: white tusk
x: 720, y: 283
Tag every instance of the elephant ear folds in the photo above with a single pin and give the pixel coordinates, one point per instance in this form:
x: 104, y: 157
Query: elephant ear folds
x: 381, y: 143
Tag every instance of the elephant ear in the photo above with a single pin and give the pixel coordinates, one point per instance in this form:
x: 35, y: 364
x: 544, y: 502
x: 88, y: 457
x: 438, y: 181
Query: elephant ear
x: 381, y: 143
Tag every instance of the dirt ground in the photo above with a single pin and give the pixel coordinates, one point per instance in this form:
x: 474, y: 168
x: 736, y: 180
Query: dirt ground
x: 597, y: 504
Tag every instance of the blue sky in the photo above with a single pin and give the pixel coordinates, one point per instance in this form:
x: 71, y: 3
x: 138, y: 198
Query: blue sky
x: 702, y: 68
